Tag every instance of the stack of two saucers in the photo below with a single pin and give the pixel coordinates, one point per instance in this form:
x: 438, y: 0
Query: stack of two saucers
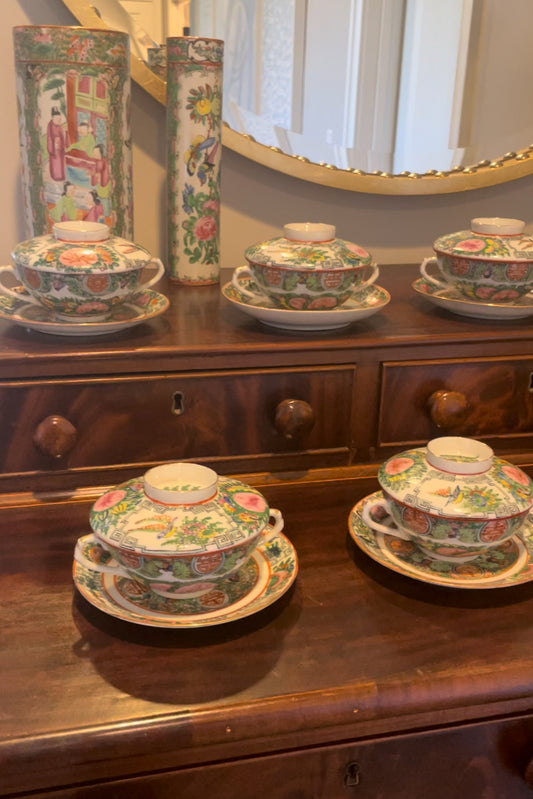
x: 80, y: 280
x: 182, y: 546
x: 307, y: 279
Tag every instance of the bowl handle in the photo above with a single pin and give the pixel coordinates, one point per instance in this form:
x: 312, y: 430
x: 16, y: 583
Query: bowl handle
x: 367, y: 509
x: 240, y: 272
x: 275, y: 524
x: 160, y: 271
x: 374, y: 274
x: 20, y: 293
x: 81, y: 556
x: 425, y: 274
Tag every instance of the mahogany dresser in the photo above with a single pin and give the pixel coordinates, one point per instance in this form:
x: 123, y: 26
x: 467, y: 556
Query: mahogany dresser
x: 359, y: 681
x: 205, y: 382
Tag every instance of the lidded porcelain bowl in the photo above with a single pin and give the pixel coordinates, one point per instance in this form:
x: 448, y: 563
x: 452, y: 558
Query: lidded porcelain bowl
x: 308, y: 268
x: 81, y: 270
x: 180, y: 524
x: 491, y: 262
x: 455, y: 498
x: 308, y: 245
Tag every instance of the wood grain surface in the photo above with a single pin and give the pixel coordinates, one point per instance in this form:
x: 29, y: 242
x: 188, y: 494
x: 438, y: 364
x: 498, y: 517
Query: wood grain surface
x: 351, y: 655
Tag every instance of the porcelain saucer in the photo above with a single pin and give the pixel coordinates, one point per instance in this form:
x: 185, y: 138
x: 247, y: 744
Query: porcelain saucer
x: 269, y: 573
x: 143, y: 306
x: 364, y: 303
x: 502, y: 566
x: 453, y: 301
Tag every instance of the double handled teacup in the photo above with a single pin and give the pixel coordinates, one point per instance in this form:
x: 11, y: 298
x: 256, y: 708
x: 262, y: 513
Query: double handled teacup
x: 453, y: 498
x: 80, y: 272
x: 492, y: 262
x: 306, y: 269
x: 177, y: 528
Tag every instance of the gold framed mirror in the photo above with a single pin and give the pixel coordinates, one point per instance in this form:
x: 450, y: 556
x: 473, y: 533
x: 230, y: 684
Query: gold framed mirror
x: 488, y: 172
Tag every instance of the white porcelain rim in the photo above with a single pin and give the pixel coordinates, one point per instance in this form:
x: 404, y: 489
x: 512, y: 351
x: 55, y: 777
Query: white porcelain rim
x: 309, y: 231
x: 206, y: 481
x: 460, y: 446
x: 497, y: 226
x: 80, y: 231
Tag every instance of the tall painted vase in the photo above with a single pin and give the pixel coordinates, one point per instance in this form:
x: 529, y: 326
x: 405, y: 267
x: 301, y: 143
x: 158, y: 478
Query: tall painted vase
x: 194, y: 120
x: 73, y: 93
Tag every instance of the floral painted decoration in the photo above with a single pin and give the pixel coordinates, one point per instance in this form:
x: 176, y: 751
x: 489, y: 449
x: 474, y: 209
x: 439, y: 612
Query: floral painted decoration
x: 126, y: 517
x: 334, y: 254
x: 507, y: 564
x: 49, y: 254
x: 194, y: 120
x: 502, y: 490
x: 486, y: 246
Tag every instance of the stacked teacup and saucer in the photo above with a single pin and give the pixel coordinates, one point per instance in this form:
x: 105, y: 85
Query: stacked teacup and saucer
x: 183, y: 547
x: 307, y: 279
x: 80, y: 280
x: 484, y: 272
x: 450, y: 514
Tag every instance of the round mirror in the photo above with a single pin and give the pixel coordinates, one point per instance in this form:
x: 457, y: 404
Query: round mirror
x: 382, y: 96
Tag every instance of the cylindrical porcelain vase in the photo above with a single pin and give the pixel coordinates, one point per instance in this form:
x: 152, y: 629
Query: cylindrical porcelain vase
x: 73, y: 93
x: 194, y: 106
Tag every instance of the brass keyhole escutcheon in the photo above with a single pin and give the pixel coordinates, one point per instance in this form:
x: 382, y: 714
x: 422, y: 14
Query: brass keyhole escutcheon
x: 178, y: 403
x: 351, y: 775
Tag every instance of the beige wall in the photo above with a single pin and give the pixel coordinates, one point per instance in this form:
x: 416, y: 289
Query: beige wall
x: 256, y: 201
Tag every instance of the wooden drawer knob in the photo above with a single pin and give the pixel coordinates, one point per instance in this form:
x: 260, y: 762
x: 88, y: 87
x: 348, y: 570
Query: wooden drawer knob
x: 55, y: 436
x: 294, y: 418
x: 448, y: 409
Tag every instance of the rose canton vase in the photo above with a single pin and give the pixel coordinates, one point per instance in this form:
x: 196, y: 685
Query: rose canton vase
x: 194, y: 103
x: 73, y: 93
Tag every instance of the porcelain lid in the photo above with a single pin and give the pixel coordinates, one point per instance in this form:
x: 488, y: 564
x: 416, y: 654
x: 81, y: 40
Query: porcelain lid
x: 79, y: 247
x: 490, y: 238
x: 308, y: 245
x: 457, y: 477
x: 179, y: 508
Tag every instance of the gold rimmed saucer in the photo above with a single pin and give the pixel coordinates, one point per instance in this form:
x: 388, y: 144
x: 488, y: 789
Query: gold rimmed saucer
x: 508, y: 564
x: 364, y: 303
x: 143, y: 306
x: 452, y: 301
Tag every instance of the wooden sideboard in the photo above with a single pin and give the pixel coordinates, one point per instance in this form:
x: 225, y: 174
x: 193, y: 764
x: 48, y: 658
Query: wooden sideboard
x: 359, y: 681
x: 206, y: 382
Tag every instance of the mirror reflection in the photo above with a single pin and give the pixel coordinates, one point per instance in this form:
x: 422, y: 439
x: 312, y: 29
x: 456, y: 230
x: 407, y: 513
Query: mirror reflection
x: 378, y: 85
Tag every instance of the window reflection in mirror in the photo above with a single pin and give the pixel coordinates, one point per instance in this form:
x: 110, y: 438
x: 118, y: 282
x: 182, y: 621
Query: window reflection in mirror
x: 388, y: 85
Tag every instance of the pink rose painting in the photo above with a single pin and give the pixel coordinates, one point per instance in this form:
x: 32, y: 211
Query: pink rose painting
x: 505, y: 295
x: 253, y: 502
x: 398, y: 465
x: 298, y: 303
x: 322, y: 303
x: 109, y: 499
x: 471, y: 245
x: 516, y: 475
x: 205, y: 228
x: 92, y: 307
x: 357, y: 250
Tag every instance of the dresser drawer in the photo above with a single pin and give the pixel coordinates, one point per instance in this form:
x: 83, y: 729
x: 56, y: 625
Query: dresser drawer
x: 488, y: 398
x: 78, y: 423
x: 475, y: 761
